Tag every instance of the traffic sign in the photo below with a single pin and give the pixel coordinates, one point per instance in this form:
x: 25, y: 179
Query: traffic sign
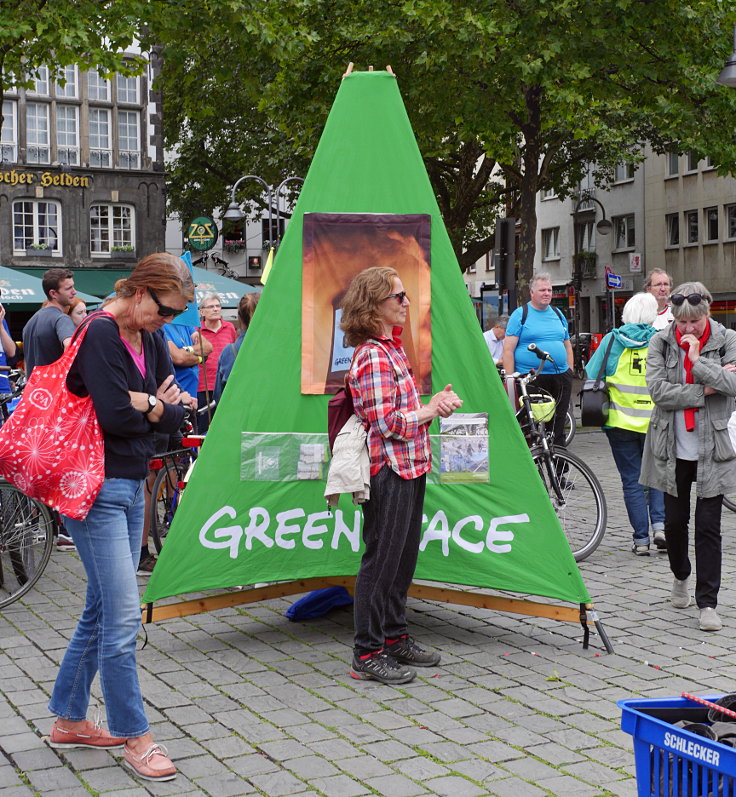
x: 613, y: 281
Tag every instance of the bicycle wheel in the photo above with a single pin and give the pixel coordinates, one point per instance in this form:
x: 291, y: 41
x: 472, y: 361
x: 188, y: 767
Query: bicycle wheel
x: 577, y: 497
x: 729, y: 502
x: 26, y: 539
x: 570, y: 427
x: 165, y: 495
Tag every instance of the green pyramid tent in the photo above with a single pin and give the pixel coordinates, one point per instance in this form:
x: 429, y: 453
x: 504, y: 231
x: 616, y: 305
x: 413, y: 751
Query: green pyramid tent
x: 254, y: 509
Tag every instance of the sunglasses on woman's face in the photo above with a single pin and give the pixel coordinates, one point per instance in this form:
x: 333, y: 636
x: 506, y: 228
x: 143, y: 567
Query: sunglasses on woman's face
x: 692, y: 298
x: 400, y: 296
x: 164, y: 310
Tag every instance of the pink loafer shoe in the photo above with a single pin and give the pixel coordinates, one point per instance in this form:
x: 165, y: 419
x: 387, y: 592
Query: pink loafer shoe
x: 154, y: 764
x: 92, y: 736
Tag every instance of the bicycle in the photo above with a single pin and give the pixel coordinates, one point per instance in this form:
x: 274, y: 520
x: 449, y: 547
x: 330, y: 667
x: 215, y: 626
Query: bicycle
x: 172, y: 472
x: 26, y: 540
x: 573, y: 489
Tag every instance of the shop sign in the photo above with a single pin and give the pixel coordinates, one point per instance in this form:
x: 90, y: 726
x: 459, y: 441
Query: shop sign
x: 45, y: 179
x: 202, y: 233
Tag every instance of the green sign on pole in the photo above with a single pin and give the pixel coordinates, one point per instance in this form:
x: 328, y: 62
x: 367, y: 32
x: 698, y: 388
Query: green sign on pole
x: 202, y: 234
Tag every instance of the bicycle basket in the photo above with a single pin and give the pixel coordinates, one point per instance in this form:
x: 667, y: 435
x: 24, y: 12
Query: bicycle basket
x: 543, y: 406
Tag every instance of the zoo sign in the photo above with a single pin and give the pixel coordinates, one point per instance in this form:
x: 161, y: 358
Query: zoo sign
x: 202, y: 233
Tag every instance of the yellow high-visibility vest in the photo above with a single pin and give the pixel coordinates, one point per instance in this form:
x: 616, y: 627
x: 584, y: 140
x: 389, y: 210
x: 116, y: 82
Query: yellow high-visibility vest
x: 630, y: 406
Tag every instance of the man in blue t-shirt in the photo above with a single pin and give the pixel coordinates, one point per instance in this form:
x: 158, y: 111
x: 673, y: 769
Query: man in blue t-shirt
x: 546, y: 326
x: 187, y: 351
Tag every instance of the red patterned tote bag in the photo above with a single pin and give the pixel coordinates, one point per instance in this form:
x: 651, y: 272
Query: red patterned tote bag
x: 51, y: 447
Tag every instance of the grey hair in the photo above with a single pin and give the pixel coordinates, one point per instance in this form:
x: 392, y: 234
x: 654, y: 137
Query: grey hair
x: 502, y: 321
x: 692, y: 312
x: 641, y: 308
x: 210, y: 295
x: 543, y: 276
x: 652, y: 274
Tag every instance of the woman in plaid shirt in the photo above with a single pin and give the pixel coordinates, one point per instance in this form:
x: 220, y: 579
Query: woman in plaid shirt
x: 387, y: 401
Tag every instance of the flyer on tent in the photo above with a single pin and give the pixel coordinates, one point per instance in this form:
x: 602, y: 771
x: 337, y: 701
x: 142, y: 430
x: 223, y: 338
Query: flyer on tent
x: 336, y: 247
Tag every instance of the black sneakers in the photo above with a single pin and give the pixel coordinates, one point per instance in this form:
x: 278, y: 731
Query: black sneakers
x: 380, y: 666
x: 406, y: 651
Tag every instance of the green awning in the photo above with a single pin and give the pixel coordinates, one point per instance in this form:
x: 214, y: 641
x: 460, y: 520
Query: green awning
x: 101, y: 282
x: 22, y: 290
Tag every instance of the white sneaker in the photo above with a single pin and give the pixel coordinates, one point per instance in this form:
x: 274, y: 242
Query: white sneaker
x: 660, y: 541
x: 709, y: 619
x: 680, y: 598
x: 65, y: 543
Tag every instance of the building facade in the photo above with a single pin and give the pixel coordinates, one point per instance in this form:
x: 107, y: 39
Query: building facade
x: 82, y: 176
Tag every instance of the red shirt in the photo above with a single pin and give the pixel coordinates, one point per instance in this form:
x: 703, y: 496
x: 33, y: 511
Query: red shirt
x: 385, y: 395
x: 225, y: 334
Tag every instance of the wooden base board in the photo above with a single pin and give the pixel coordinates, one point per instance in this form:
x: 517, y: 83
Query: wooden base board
x: 238, y: 597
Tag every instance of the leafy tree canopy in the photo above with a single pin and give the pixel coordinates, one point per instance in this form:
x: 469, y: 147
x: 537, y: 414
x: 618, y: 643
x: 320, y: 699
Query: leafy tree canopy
x: 506, y: 97
x: 56, y: 33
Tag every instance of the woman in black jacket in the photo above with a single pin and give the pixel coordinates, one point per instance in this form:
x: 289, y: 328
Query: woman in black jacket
x: 126, y: 370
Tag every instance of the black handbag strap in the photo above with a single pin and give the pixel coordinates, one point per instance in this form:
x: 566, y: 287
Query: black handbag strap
x: 598, y: 380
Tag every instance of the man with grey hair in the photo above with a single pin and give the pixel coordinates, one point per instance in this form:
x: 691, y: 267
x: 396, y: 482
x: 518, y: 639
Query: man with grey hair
x: 218, y: 334
x: 494, y: 337
x: 659, y: 284
x: 540, y: 323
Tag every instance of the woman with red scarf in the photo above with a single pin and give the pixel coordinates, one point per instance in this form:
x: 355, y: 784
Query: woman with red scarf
x: 691, y: 377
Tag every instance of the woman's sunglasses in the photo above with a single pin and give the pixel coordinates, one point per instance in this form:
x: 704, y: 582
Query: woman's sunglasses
x: 164, y: 310
x: 400, y: 296
x: 693, y: 298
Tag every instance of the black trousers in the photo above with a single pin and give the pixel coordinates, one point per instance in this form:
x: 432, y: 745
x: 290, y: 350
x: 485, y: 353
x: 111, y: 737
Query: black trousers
x: 560, y: 387
x: 392, y: 524
x: 707, y: 535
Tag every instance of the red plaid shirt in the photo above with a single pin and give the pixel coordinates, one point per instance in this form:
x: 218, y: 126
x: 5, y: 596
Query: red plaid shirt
x: 385, y: 396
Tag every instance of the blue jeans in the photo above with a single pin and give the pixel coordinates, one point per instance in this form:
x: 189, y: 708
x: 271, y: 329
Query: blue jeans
x: 109, y: 544
x: 642, y: 504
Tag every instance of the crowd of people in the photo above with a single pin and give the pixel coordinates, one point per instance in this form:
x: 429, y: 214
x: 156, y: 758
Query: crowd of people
x: 671, y: 375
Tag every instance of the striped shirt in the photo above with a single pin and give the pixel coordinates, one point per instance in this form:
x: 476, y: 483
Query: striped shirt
x: 385, y: 396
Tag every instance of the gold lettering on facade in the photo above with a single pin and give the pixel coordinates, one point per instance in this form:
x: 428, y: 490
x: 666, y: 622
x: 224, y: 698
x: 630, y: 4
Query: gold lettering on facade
x: 44, y: 180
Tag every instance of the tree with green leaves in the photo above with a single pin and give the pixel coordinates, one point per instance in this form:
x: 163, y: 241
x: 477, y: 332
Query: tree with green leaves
x: 506, y: 97
x: 57, y: 33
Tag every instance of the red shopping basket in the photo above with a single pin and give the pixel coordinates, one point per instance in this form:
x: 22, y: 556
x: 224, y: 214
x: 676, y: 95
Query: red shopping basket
x: 674, y: 762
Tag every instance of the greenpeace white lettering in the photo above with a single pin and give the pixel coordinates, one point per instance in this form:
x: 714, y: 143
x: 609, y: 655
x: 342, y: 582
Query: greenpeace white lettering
x: 694, y: 749
x: 294, y: 527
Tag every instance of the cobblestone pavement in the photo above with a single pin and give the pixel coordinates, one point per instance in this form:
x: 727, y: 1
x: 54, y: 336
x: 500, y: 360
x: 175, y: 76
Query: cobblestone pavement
x: 250, y: 703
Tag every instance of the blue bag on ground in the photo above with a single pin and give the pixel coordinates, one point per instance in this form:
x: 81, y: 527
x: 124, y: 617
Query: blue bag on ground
x: 318, y: 603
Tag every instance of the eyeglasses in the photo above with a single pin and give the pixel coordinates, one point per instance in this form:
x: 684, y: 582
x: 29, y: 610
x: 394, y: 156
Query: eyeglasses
x: 693, y: 298
x: 400, y: 296
x: 213, y: 307
x: 163, y: 310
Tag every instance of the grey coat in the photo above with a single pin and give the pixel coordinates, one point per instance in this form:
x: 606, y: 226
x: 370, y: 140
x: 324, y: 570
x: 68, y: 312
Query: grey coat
x: 665, y: 381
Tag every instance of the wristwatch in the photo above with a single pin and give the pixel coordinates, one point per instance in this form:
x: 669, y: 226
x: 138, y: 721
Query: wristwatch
x: 152, y: 402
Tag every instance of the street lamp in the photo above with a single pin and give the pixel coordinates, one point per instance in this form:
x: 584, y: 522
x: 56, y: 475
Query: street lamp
x: 235, y: 213
x: 728, y: 74
x: 604, y: 227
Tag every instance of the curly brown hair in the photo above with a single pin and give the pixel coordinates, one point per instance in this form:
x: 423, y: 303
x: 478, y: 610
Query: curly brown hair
x: 160, y: 272
x: 360, y: 320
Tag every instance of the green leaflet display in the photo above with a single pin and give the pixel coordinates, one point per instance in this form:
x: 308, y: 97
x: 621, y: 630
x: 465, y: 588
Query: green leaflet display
x: 254, y: 509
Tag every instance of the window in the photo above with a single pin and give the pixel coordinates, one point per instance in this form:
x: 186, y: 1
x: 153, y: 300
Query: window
x: 711, y: 224
x: 586, y: 236
x: 548, y: 193
x: 623, y: 172
x: 36, y: 222
x: 37, y: 132
x: 551, y: 243
x: 69, y: 89
x: 97, y: 87
x: 673, y: 229
x: 710, y: 163
x: 67, y: 134
x: 110, y: 226
x: 673, y: 164
x: 691, y: 226
x: 625, y: 232
x: 731, y: 221
x: 40, y: 82
x: 127, y: 89
x: 692, y: 162
x: 9, y: 138
x: 129, y: 140
x: 100, y: 153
